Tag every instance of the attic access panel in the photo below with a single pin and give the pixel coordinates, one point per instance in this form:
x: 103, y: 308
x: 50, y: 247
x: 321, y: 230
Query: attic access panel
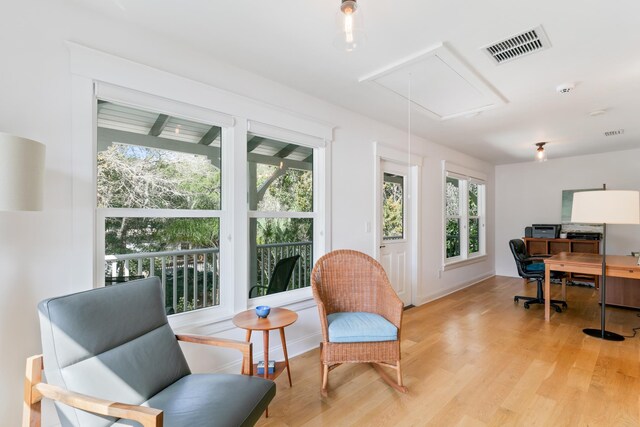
x: 441, y: 85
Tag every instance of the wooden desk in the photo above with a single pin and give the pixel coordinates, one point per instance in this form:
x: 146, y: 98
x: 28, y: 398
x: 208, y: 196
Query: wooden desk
x: 617, y: 266
x: 536, y: 246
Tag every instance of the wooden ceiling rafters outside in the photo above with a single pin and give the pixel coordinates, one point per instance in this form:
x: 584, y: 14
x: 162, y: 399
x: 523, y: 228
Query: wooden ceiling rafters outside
x: 165, y: 127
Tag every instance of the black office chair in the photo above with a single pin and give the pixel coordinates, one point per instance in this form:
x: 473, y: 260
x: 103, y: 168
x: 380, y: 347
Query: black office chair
x: 532, y: 268
x: 280, y: 277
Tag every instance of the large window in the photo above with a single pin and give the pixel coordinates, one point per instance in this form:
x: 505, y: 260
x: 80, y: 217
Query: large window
x: 281, y: 212
x: 159, y: 198
x: 464, y: 207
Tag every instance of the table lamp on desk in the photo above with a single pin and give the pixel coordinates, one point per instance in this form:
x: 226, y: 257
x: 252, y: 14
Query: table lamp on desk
x: 605, y: 207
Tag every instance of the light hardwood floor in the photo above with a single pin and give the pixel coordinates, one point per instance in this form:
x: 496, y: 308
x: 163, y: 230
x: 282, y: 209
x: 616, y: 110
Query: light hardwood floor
x: 474, y: 358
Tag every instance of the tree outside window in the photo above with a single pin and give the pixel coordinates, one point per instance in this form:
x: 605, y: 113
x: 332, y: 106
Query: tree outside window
x: 281, y: 210
x: 464, y: 217
x: 159, y: 190
x: 393, y: 207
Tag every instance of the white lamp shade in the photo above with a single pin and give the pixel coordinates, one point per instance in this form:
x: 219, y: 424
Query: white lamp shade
x: 21, y: 173
x: 606, y: 207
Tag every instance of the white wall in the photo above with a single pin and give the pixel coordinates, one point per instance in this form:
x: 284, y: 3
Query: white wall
x: 531, y: 193
x: 36, y: 249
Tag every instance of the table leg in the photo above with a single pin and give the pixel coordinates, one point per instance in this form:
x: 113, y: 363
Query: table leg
x: 547, y: 292
x: 265, y: 339
x: 564, y: 289
x: 247, y: 338
x: 286, y: 356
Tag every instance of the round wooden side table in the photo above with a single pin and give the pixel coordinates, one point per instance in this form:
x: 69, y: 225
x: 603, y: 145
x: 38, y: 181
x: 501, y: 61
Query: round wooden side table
x: 278, y: 318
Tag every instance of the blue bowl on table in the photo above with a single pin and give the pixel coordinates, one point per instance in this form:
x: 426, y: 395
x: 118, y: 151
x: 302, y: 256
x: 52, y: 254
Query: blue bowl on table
x: 263, y: 311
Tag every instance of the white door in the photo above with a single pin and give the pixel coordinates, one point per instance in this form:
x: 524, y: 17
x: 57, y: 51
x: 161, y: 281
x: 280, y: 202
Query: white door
x: 395, y: 237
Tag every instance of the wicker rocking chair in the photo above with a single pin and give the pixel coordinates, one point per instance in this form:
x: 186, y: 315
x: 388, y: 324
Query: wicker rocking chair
x: 360, y: 315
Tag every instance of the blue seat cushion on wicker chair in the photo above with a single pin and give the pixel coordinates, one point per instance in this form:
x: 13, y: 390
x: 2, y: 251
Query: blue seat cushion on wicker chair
x: 538, y: 266
x: 360, y: 327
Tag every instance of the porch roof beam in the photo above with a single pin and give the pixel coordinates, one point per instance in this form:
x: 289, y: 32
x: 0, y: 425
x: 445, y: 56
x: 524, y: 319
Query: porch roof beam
x: 288, y: 149
x: 210, y: 136
x: 106, y: 137
x: 159, y: 125
x: 254, y: 143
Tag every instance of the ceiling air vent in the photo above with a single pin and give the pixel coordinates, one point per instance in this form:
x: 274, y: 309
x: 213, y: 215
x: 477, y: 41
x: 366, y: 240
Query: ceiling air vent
x: 519, y: 45
x: 614, y: 132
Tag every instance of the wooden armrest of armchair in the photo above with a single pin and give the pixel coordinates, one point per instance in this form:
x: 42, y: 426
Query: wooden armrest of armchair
x: 35, y: 390
x: 246, y: 348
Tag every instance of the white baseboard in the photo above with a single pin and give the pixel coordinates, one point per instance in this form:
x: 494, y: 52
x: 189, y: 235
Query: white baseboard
x: 294, y: 348
x: 437, y: 295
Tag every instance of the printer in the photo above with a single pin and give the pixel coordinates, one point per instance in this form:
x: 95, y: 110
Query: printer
x: 545, y: 231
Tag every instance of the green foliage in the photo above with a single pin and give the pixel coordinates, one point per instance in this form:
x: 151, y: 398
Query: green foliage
x: 474, y: 223
x: 292, y: 191
x: 181, y: 307
x: 453, y: 238
x: 452, y: 231
x: 289, y: 190
x: 147, y: 178
x: 393, y: 210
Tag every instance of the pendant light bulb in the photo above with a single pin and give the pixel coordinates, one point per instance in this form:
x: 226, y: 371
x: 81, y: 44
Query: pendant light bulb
x: 350, y: 33
x: 541, y: 155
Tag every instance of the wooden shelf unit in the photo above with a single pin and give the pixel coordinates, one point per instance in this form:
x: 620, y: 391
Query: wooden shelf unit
x: 537, y: 246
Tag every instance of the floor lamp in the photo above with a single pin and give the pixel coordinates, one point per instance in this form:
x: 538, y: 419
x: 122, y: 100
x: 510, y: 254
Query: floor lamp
x: 605, y: 207
x: 21, y: 173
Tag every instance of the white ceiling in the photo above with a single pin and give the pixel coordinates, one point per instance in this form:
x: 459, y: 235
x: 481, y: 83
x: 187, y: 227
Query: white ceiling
x: 594, y: 43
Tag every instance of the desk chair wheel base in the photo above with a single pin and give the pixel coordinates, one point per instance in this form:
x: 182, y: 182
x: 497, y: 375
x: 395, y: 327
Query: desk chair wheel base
x: 555, y: 304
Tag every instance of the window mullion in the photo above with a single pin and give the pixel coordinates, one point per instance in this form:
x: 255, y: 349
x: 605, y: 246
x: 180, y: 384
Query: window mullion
x: 464, y: 228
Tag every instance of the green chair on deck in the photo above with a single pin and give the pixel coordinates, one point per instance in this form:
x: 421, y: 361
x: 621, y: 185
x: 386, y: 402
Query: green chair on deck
x: 279, y: 280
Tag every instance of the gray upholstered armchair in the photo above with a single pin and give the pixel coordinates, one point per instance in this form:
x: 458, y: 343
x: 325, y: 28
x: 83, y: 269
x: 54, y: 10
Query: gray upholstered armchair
x: 111, y: 359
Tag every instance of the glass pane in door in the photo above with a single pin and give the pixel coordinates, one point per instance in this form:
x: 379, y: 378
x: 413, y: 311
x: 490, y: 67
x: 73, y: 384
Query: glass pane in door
x: 393, y: 207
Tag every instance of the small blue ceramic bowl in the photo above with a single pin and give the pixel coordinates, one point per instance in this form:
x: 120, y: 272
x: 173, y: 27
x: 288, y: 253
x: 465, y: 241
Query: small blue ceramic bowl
x: 263, y: 311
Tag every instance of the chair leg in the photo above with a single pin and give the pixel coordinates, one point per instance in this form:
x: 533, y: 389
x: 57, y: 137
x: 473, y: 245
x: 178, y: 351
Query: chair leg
x: 399, y: 374
x: 31, y: 407
x: 325, y: 380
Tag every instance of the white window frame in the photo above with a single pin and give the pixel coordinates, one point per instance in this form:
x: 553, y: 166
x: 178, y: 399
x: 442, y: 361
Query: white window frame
x: 319, y: 148
x: 131, y: 83
x: 405, y: 177
x: 464, y: 177
x: 482, y: 194
x: 147, y: 102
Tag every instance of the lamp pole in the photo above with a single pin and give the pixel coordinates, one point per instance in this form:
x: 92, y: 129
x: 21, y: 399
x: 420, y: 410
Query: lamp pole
x: 602, y: 332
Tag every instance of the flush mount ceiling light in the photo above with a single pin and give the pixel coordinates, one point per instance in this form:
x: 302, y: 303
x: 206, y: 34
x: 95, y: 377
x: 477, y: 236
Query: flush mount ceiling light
x: 541, y: 156
x: 350, y: 27
x: 565, y: 88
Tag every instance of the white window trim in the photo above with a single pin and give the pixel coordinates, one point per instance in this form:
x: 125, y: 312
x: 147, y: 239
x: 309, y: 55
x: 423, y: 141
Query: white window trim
x: 466, y: 176
x: 128, y: 82
x: 148, y: 102
x: 320, y: 196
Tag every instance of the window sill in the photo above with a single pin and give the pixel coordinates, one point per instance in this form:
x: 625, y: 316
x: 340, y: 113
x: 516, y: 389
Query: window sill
x: 463, y: 262
x: 214, y: 320
x: 290, y: 299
